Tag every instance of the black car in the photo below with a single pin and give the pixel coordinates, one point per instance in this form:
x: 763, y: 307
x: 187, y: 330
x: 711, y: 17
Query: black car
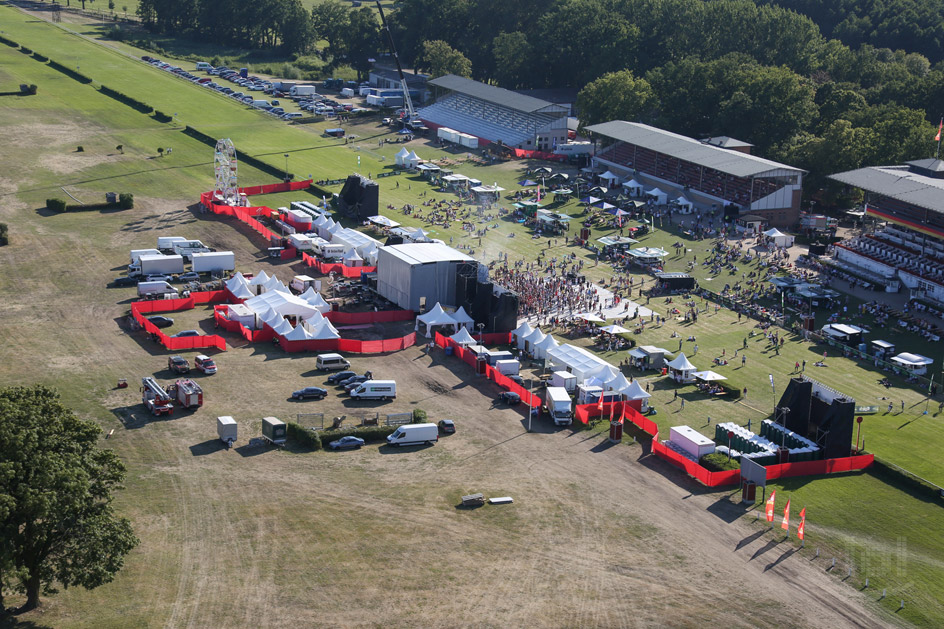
x: 336, y: 378
x: 185, y: 333
x: 309, y: 392
x: 447, y: 426
x: 161, y: 321
x: 124, y: 280
x: 352, y: 380
x: 509, y: 397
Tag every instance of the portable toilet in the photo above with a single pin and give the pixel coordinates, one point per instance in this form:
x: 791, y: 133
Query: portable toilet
x: 226, y: 429
x: 273, y: 430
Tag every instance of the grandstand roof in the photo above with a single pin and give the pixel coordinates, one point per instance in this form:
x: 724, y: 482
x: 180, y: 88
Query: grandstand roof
x: 496, y: 95
x: 897, y: 182
x: 727, y: 161
x: 727, y: 142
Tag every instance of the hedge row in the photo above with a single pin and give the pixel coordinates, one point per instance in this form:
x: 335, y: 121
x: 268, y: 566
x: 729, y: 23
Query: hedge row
x: 25, y: 50
x: 4, y: 235
x: 134, y: 103
x: 9, y: 42
x: 125, y: 202
x: 40, y: 57
x: 905, y: 479
x: 160, y: 116
x: 78, y: 76
x: 313, y: 440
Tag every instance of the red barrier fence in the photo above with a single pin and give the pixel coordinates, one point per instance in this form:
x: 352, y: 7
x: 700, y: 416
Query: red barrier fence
x: 358, y: 318
x: 288, y: 253
x: 336, y: 267
x: 141, y: 308
x: 490, y: 372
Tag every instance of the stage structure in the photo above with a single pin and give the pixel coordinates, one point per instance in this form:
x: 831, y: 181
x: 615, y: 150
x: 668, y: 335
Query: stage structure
x: 226, y: 190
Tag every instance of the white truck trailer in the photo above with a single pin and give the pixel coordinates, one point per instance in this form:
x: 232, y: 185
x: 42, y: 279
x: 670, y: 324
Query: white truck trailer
x: 302, y: 90
x: 158, y: 264
x: 226, y: 430
x: 166, y: 243
x: 137, y: 253
x: 211, y: 261
x: 559, y: 406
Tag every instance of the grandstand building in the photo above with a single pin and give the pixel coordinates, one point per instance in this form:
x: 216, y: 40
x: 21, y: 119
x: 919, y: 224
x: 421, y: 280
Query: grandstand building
x: 493, y: 114
x: 909, y: 247
x: 718, y: 172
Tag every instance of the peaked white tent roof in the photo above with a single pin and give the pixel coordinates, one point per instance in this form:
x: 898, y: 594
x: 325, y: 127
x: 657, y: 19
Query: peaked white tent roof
x: 632, y: 183
x: 462, y: 317
x: 546, y: 343
x: 313, y: 320
x: 618, y: 383
x: 271, y: 317
x: 708, y: 376
x: 320, y: 220
x: 535, y: 337
x: 655, y: 192
x: 523, y: 330
x: 682, y: 200
x: 681, y: 363
x: 315, y: 299
x: 283, y: 327
x: 412, y: 157
x: 260, y: 279
x: 462, y: 337
x: 635, y: 391
x: 773, y: 232
x: 352, y: 256
x: 437, y: 316
x: 334, y: 228
x: 323, y: 330
x: 237, y: 280
x: 284, y: 303
x: 241, y: 290
x: 609, y: 175
x: 299, y: 333
x: 401, y: 154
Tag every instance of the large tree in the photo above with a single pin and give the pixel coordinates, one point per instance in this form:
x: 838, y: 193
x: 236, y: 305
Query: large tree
x: 441, y: 58
x: 615, y: 96
x: 57, y: 524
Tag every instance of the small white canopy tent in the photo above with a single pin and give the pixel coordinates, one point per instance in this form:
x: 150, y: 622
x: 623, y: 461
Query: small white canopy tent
x: 532, y: 339
x: 542, y: 347
x: 592, y: 318
x: 681, y: 369
x: 299, y: 333
x: 779, y: 238
x: 463, y: 318
x: 604, y: 373
x: 270, y: 317
x: 257, y: 283
x: 315, y: 299
x: 617, y: 384
x: 352, y: 258
x: 412, y: 160
x: 383, y: 221
x: 633, y: 187
x: 462, y: 337
x: 237, y: 280
x: 520, y: 332
x: 313, y: 320
x: 708, y: 376
x: 660, y: 197
x: 370, y: 254
x: 635, y: 392
x: 241, y: 290
x: 435, y: 317
x: 324, y: 331
x: 401, y: 156
x: 685, y: 206
x: 610, y: 177
x: 614, y: 329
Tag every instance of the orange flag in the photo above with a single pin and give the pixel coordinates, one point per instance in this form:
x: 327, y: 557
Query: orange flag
x: 801, y: 528
x: 600, y: 404
x: 937, y: 138
x: 770, y: 506
x: 785, y: 525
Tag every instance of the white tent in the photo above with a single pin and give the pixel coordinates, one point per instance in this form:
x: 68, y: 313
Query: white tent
x: 533, y: 339
x: 270, y: 317
x: 779, y: 238
x: 614, y: 329
x: 299, y: 333
x: 685, y: 206
x: 241, y: 291
x: 283, y: 303
x: 324, y: 330
x: 436, y: 316
x: 660, y: 197
x: 283, y: 327
x: 462, y: 337
x: 592, y: 318
x: 412, y: 160
x: 370, y: 254
x: 708, y: 376
x: 259, y: 279
x: 577, y: 360
x: 681, y: 369
x: 463, y: 318
x: 401, y: 155
x: 237, y: 280
x: 335, y: 228
x: 542, y: 347
x: 617, y: 384
x: 915, y: 363
x: 635, y: 391
x: 315, y: 299
x: 520, y: 332
x: 610, y: 177
x: 313, y: 320
x: 320, y: 220
x: 633, y: 187
x: 351, y: 258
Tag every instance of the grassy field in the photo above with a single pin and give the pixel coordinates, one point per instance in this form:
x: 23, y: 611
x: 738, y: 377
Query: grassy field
x: 261, y: 528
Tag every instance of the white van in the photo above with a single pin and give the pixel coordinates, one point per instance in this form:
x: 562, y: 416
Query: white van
x: 152, y: 289
x: 166, y: 243
x: 203, y: 65
x: 375, y: 390
x: 414, y: 434
x: 326, y: 362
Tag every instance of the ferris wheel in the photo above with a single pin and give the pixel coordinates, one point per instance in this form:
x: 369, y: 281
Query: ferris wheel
x: 225, y: 165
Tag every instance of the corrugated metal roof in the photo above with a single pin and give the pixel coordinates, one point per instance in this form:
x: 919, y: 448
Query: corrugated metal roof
x: 727, y: 161
x: 897, y: 182
x: 496, y: 95
x: 426, y: 252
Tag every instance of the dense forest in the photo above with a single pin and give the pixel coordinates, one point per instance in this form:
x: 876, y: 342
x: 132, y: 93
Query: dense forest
x: 763, y: 71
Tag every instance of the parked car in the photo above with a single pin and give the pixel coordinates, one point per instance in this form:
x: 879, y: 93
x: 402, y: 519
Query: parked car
x: 310, y: 392
x: 189, y: 276
x: 447, y: 426
x: 355, y: 382
x: 336, y: 378
x: 509, y: 397
x: 349, y: 441
x: 160, y: 321
x: 185, y: 333
x: 124, y: 280
x: 205, y: 364
x: 158, y: 278
x: 178, y: 364
x: 516, y: 378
